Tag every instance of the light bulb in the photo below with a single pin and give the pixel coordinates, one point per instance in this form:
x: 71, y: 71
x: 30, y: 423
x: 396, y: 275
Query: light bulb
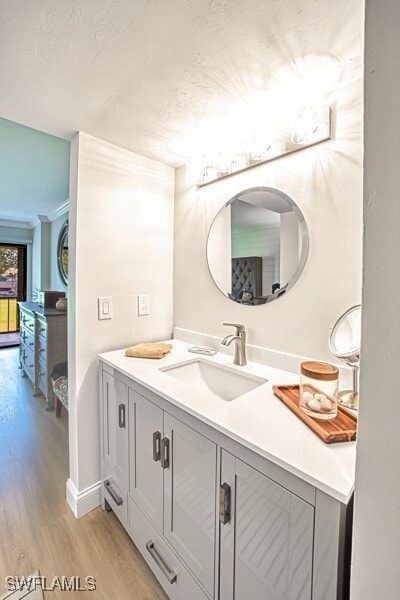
x: 304, y: 125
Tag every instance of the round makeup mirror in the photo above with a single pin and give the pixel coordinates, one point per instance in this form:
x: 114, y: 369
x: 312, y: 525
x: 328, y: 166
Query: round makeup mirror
x: 257, y: 246
x: 344, y: 343
x: 62, y: 253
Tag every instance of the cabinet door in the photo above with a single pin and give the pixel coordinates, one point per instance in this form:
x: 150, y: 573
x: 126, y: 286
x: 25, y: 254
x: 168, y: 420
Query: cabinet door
x: 266, y: 546
x: 146, y: 474
x: 115, y: 423
x: 189, y: 499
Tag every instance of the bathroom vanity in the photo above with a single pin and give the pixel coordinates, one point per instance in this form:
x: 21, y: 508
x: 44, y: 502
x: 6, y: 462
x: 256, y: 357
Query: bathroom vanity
x: 224, y: 491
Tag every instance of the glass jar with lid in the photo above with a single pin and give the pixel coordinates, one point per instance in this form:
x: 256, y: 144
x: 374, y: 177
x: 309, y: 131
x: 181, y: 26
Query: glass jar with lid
x: 319, y: 389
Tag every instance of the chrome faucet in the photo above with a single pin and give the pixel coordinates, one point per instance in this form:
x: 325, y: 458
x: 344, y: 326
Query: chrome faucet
x: 240, y: 343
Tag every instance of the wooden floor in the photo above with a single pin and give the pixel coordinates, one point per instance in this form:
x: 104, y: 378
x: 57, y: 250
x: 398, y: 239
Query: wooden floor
x: 9, y: 339
x: 37, y: 528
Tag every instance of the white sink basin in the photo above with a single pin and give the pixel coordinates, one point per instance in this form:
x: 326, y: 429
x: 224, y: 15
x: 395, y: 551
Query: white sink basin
x: 224, y: 382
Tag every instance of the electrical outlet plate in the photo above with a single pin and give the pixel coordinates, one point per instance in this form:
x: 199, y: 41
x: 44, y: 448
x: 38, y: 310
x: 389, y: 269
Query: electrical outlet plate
x: 143, y: 304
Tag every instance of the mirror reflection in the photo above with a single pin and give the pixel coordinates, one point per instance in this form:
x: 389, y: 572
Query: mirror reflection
x: 62, y: 253
x: 257, y: 246
x: 344, y: 343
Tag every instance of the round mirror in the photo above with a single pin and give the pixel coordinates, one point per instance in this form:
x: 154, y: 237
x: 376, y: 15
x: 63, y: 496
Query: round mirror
x: 257, y: 246
x: 62, y: 253
x: 344, y: 343
x: 345, y: 338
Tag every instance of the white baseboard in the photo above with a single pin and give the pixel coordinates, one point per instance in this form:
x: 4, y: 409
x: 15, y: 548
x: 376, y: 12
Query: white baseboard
x: 83, y: 502
x: 259, y: 354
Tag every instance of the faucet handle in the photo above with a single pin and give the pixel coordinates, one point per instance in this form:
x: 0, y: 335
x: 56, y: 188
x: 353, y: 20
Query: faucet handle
x: 239, y: 328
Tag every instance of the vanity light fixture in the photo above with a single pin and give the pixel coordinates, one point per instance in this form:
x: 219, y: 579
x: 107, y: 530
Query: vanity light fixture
x: 285, y: 113
x: 309, y: 126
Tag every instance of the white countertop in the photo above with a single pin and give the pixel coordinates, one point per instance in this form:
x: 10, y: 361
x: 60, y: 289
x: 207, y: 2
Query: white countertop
x: 258, y: 419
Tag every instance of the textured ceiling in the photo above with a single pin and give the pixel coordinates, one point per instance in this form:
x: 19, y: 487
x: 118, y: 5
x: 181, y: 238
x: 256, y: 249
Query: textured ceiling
x: 142, y: 73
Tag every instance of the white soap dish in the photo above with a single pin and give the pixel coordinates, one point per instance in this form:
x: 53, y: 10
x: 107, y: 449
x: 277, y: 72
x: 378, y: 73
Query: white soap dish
x: 199, y: 350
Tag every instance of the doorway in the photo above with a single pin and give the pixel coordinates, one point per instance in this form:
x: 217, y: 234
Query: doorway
x: 12, y: 291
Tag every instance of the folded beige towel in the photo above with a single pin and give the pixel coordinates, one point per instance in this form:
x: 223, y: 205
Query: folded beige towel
x: 149, y: 350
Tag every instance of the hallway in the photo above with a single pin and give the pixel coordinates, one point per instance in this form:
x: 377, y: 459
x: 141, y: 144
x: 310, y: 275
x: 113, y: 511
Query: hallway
x: 38, y: 529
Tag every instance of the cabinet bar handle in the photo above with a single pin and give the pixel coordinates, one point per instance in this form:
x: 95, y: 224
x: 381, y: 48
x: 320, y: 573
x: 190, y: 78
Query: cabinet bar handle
x: 169, y: 574
x: 224, y: 503
x: 156, y: 446
x: 121, y: 416
x: 117, y: 499
x: 165, y: 453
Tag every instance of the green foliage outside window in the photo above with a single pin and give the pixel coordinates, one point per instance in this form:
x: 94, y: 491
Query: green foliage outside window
x: 8, y: 260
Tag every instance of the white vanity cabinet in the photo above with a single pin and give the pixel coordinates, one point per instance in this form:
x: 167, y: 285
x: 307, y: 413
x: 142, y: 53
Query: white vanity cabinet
x: 165, y: 473
x: 173, y: 480
x: 115, y: 399
x: 115, y: 446
x: 266, y: 541
x: 189, y: 499
x: 212, y: 518
x: 146, y: 473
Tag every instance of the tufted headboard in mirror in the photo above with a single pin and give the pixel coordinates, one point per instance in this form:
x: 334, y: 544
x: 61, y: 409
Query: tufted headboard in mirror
x: 247, y: 275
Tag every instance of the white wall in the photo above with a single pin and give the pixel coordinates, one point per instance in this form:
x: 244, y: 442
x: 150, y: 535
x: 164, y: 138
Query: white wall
x: 290, y: 246
x: 55, y: 281
x: 41, y: 257
x: 36, y: 264
x: 121, y: 245
x: 219, y: 251
x: 376, y: 547
x: 326, y: 183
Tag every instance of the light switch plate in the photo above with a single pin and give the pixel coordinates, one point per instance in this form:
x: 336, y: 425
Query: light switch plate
x: 143, y: 304
x: 105, y: 308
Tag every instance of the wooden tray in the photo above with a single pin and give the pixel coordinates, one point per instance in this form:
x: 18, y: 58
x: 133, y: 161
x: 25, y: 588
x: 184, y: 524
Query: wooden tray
x: 342, y: 428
